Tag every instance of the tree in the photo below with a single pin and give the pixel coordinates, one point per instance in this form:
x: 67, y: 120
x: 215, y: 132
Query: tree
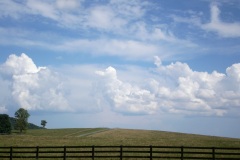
x: 5, y: 124
x: 43, y: 123
x: 21, y: 116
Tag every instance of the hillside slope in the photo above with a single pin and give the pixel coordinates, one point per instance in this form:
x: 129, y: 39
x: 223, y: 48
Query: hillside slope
x: 112, y: 137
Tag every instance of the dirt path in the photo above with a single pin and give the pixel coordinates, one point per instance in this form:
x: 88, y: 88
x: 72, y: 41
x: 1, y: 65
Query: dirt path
x: 76, y: 133
x: 86, y: 132
x: 94, y: 132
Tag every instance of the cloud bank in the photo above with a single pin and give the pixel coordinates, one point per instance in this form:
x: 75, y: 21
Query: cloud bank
x: 173, y: 88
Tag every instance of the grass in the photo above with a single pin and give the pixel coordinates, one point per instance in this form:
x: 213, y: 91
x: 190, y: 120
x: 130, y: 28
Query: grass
x: 109, y: 137
x: 103, y: 136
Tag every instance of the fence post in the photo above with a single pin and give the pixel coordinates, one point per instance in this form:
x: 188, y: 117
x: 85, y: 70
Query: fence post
x: 151, y: 152
x: 37, y: 151
x: 11, y: 153
x: 213, y: 153
x: 93, y: 152
x: 64, y: 152
x: 121, y: 152
x: 181, y: 152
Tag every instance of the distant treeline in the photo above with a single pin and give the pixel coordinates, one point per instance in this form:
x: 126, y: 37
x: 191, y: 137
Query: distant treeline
x: 30, y: 125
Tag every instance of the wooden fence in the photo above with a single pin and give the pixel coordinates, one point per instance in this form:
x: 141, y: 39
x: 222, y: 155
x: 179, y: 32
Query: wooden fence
x: 119, y: 152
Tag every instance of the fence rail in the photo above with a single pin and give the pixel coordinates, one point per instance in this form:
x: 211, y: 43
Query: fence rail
x: 119, y: 152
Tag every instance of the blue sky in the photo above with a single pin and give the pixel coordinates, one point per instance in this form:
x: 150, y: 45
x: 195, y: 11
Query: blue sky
x: 152, y: 64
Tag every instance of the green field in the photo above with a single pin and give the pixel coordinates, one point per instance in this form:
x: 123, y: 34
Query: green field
x: 105, y: 136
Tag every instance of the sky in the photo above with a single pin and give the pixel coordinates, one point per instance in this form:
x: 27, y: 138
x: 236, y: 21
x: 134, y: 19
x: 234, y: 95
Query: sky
x: 139, y: 64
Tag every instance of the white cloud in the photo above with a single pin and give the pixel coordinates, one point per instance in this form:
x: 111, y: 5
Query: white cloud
x: 42, y: 8
x: 72, y: 14
x: 19, y: 65
x: 129, y: 49
x: 63, y: 12
x: 157, y: 61
x: 103, y: 17
x: 64, y: 89
x: 223, y: 29
x: 153, y: 33
x: 216, y: 24
x: 174, y: 88
x: 129, y: 9
x: 118, y: 28
x: 124, y: 97
x: 32, y: 87
x: 5, y: 93
x: 68, y: 4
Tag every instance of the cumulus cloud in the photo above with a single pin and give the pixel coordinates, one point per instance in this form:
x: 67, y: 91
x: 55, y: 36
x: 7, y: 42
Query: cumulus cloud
x: 32, y: 87
x: 124, y: 97
x: 5, y: 93
x: 175, y: 88
x: 19, y: 65
x: 65, y: 89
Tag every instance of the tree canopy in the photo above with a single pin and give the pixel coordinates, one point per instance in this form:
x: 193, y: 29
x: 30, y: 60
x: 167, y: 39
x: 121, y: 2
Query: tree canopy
x: 5, y: 125
x: 21, y: 116
x: 43, y: 123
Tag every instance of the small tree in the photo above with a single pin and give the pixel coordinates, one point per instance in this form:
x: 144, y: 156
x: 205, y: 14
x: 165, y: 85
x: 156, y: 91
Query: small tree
x: 5, y: 124
x: 21, y: 116
x: 43, y: 123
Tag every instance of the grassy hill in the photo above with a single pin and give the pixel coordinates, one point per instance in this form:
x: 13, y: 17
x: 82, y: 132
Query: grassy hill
x: 105, y: 136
